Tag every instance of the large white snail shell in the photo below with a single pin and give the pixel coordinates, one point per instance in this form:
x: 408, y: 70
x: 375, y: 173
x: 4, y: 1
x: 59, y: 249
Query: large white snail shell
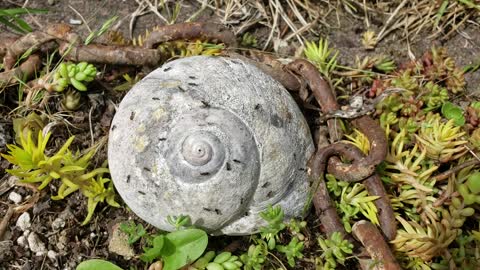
x: 212, y: 138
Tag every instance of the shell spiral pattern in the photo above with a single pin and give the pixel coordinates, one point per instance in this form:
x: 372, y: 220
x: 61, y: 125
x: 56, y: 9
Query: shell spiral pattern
x: 213, y: 138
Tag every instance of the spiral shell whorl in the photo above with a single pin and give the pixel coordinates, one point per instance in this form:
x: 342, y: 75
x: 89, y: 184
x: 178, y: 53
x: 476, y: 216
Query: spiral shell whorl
x: 212, y: 138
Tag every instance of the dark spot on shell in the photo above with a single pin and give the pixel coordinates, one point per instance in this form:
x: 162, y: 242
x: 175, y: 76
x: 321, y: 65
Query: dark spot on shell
x: 205, y: 104
x: 205, y: 173
x: 141, y: 192
x: 276, y: 121
x: 155, y: 98
x: 289, y: 116
x: 241, y: 200
x: 258, y: 106
x: 132, y: 115
x: 266, y: 184
x: 128, y: 178
x: 192, y: 84
x: 229, y: 166
x: 147, y: 169
x: 192, y: 77
x: 294, y: 156
x: 167, y: 69
x: 302, y: 169
x: 114, y: 127
x: 181, y: 88
x: 270, y: 194
x: 162, y: 139
x: 207, y: 209
x: 246, y: 214
x: 236, y: 161
x: 218, y: 211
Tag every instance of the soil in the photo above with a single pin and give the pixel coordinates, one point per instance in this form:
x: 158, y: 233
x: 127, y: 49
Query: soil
x: 73, y: 243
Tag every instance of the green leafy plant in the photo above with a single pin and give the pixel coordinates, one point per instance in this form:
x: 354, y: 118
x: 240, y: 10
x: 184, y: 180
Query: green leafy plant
x: 222, y: 261
x: 434, y: 97
x: 105, y: 26
x: 442, y: 141
x: 324, y: 57
x: 73, y: 74
x: 96, y: 264
x: 292, y: 250
x: 32, y: 123
x: 248, y: 40
x: 134, y: 232
x: 335, y: 249
x: 177, y: 249
x: 274, y: 217
x: 255, y: 257
x: 470, y: 188
x: 179, y: 222
x: 32, y: 165
x: 10, y: 18
x: 450, y: 111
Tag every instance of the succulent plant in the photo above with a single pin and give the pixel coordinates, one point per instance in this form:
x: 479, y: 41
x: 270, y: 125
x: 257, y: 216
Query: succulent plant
x: 73, y: 74
x: 442, y: 141
x: 32, y: 123
x: 434, y: 96
x: 470, y: 189
x: 71, y: 100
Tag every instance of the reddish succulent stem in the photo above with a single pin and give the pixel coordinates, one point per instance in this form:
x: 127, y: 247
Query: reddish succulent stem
x: 189, y: 31
x: 377, y: 248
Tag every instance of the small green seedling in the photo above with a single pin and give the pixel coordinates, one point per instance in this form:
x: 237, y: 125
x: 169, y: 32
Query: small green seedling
x: 134, y: 232
x: 274, y: 217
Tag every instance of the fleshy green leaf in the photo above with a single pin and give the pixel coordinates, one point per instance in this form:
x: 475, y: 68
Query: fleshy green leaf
x: 97, y: 264
x: 155, y: 251
x: 451, y: 111
x: 188, y: 244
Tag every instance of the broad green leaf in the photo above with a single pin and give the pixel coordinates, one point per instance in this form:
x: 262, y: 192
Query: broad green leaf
x: 189, y: 245
x: 96, y: 264
x: 156, y: 251
x: 451, y: 111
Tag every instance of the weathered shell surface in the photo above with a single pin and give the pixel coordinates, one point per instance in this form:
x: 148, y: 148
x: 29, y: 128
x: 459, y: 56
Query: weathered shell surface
x: 213, y: 138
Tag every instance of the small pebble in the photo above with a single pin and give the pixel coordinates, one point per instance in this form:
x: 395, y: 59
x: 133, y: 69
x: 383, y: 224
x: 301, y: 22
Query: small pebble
x: 118, y: 243
x: 58, y: 223
x: 22, y: 241
x: 15, y: 197
x: 36, y: 245
x: 52, y: 255
x: 74, y: 22
x: 23, y: 221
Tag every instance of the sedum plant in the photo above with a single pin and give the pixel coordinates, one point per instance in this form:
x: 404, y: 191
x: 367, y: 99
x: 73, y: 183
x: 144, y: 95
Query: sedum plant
x: 76, y: 75
x: 322, y: 56
x: 32, y: 165
x: 441, y: 140
x: 335, y: 250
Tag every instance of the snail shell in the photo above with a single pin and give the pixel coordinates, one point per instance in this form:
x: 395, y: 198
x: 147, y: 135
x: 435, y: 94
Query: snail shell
x: 212, y: 138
